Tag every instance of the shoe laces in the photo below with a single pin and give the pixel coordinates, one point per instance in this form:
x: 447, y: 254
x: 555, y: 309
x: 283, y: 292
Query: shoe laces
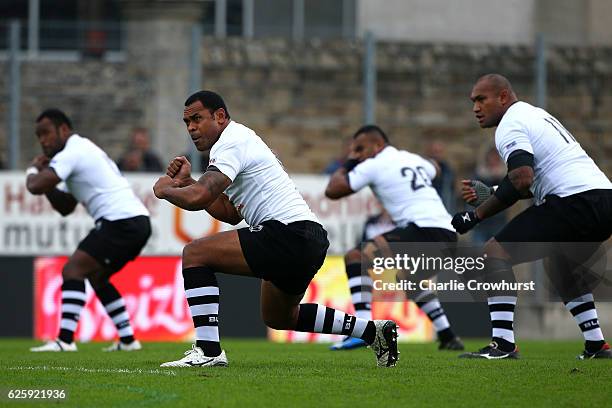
x: 192, y: 351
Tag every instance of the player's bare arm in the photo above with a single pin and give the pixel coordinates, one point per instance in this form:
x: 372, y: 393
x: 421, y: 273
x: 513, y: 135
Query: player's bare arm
x: 194, y: 197
x: 42, y: 182
x: 45, y: 182
x: 520, y: 178
x: 224, y: 210
x: 338, y: 185
x: 62, y: 202
x: 515, y: 186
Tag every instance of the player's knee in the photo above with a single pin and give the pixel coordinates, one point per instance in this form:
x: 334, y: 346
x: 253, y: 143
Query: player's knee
x: 195, y: 255
x: 498, y: 270
x: 71, y: 271
x: 493, y: 249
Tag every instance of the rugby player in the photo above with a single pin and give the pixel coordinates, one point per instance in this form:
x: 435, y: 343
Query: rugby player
x: 74, y: 170
x: 402, y: 181
x: 284, y: 244
x: 573, y: 203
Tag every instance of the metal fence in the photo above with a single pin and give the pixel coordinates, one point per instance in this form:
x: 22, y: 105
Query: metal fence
x: 89, y: 38
x: 221, y: 18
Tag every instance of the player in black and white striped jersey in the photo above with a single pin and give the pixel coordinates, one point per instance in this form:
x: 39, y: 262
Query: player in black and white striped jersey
x: 402, y: 183
x: 573, y: 203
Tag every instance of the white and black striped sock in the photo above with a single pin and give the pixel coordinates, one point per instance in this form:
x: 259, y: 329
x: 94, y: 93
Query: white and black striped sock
x: 429, y: 303
x: 361, y: 291
x: 584, y: 311
x: 73, y: 301
x: 501, y: 309
x: 315, y: 318
x: 202, y: 292
x: 501, y: 303
x: 115, y: 307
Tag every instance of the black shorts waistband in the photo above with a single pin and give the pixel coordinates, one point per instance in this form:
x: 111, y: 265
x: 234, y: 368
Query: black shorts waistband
x: 135, y: 218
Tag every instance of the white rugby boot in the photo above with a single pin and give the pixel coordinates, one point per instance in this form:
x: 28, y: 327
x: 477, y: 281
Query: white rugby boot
x: 196, y: 358
x: 55, y: 345
x: 120, y: 346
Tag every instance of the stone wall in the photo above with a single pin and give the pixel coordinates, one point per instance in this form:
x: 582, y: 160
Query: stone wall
x: 104, y: 100
x: 304, y: 99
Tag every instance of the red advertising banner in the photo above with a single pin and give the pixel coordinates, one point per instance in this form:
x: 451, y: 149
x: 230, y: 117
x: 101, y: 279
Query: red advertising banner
x: 151, y: 286
x: 153, y: 291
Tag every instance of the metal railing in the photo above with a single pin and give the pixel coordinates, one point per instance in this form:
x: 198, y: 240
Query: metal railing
x: 90, y: 38
x: 94, y: 38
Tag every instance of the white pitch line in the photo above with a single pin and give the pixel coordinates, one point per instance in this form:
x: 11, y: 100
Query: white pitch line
x: 94, y: 370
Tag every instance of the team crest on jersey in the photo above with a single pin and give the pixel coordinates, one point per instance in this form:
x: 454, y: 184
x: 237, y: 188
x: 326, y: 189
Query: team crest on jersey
x: 255, y: 228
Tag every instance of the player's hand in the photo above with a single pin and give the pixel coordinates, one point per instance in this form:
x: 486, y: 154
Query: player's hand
x: 180, y: 170
x: 351, y: 161
x: 179, y: 166
x: 40, y: 162
x: 161, y: 185
x: 465, y: 221
x: 475, y: 192
x: 468, y: 194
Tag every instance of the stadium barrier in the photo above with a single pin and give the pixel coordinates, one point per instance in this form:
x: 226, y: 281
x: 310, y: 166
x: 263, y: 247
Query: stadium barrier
x: 153, y: 291
x: 30, y: 227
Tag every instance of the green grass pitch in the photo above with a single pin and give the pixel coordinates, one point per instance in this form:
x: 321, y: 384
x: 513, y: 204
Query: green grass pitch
x: 263, y: 374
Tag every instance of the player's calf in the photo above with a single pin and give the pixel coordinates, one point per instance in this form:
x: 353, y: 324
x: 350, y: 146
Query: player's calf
x: 381, y: 335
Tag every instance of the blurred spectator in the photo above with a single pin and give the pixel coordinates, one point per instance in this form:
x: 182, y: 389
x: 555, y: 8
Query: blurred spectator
x: 338, y: 161
x: 445, y: 182
x: 131, y: 161
x: 490, y: 170
x: 140, y: 157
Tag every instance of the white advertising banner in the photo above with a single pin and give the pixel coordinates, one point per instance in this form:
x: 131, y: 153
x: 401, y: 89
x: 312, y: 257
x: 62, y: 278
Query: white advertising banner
x: 29, y: 226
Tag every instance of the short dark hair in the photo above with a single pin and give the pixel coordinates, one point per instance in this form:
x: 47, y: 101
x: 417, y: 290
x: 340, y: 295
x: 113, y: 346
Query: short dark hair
x: 371, y: 129
x: 210, y: 100
x: 56, y: 116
